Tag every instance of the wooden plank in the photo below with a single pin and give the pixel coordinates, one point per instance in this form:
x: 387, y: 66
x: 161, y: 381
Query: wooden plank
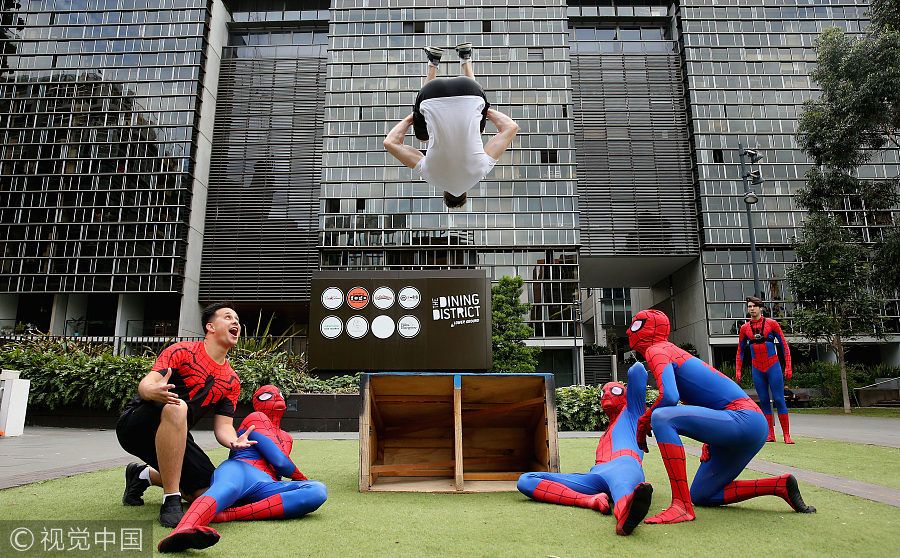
x: 440, y: 464
x: 418, y: 443
x: 364, y: 437
x: 511, y: 475
x: 457, y: 432
x: 445, y: 473
x: 413, y: 399
x: 551, y: 431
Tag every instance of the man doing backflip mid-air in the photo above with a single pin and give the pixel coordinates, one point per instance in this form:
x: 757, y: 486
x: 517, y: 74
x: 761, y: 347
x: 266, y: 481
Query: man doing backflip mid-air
x: 759, y: 336
x: 450, y: 114
x: 717, y: 412
x: 618, y: 471
x: 250, y: 479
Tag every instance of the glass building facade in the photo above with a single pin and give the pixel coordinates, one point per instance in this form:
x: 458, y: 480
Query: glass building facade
x: 157, y: 156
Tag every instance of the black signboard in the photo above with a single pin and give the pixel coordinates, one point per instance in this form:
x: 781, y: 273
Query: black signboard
x: 400, y: 321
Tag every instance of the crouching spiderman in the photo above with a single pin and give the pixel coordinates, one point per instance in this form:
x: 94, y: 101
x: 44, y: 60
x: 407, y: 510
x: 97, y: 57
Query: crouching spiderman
x: 250, y: 480
x: 618, y: 473
x: 716, y: 411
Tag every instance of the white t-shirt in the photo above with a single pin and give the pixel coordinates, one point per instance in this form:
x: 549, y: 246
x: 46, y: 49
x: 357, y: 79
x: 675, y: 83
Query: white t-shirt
x: 455, y: 159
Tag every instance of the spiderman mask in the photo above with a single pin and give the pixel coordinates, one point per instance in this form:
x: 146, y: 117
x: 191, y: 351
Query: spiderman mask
x: 648, y: 328
x: 613, y: 399
x: 268, y: 401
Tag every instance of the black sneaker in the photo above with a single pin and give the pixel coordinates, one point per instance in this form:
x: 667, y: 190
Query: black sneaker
x: 464, y: 50
x: 171, y: 511
x: 434, y: 54
x: 134, y: 485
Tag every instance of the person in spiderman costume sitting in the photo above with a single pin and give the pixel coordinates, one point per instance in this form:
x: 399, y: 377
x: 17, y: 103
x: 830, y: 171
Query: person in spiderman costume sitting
x: 250, y: 479
x: 758, y: 336
x: 717, y: 412
x: 618, y: 471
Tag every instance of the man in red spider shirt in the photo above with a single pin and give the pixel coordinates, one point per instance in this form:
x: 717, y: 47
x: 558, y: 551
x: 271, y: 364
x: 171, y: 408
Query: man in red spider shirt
x: 717, y: 412
x: 759, y: 336
x: 188, y: 379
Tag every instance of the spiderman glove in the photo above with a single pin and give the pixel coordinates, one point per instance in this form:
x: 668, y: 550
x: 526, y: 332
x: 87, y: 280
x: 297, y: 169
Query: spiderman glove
x: 643, y: 428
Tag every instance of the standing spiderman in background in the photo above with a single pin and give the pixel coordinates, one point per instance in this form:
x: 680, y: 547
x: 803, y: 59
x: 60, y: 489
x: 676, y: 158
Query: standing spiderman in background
x: 618, y: 471
x: 717, y: 412
x: 250, y: 479
x: 759, y: 336
x: 450, y: 114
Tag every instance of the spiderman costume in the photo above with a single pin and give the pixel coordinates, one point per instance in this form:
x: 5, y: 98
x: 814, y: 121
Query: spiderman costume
x: 716, y: 411
x: 249, y: 478
x: 618, y: 472
x: 758, y: 337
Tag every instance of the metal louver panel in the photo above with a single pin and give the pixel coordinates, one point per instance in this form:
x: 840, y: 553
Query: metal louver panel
x: 636, y: 193
x: 262, y: 212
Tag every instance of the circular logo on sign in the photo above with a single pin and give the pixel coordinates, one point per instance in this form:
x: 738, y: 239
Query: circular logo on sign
x: 332, y: 298
x: 357, y: 298
x: 331, y: 327
x: 383, y: 327
x: 409, y: 297
x: 383, y: 298
x: 357, y: 326
x: 408, y: 326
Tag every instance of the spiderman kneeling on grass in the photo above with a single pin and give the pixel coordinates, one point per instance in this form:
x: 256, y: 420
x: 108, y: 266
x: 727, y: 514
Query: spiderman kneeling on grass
x: 249, y: 480
x: 618, y: 472
x: 716, y: 411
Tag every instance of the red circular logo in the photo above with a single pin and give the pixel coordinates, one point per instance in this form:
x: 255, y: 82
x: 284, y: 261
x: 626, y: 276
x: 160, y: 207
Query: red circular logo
x: 357, y: 298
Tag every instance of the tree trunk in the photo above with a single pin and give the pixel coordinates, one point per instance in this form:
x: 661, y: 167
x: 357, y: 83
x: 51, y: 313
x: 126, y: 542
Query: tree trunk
x: 839, y: 349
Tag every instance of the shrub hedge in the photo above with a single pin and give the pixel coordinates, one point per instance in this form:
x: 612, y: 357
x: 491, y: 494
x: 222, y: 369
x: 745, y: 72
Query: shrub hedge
x: 66, y: 371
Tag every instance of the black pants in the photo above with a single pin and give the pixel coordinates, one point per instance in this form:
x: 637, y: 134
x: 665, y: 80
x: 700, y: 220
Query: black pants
x: 446, y: 87
x: 136, y: 430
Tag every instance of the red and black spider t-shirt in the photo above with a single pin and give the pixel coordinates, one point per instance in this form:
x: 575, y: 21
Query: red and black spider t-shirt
x: 198, y: 380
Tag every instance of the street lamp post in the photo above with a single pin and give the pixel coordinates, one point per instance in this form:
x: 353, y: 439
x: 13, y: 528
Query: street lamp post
x: 751, y: 198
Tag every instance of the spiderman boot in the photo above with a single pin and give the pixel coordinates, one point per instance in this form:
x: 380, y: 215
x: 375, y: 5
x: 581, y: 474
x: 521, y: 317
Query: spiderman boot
x: 630, y: 510
x: 192, y: 531
x: 267, y: 508
x: 557, y: 493
x: 681, y: 509
x: 785, y: 428
x: 784, y: 486
x: 771, y: 420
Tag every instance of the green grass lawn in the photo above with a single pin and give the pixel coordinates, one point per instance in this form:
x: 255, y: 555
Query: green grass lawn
x: 353, y: 524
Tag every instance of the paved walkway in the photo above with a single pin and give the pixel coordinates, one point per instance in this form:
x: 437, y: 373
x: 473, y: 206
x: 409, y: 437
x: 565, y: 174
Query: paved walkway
x: 49, y: 453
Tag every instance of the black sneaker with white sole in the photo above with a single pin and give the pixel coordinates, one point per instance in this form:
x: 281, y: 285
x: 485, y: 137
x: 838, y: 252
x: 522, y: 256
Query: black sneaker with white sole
x: 434, y: 54
x: 464, y: 50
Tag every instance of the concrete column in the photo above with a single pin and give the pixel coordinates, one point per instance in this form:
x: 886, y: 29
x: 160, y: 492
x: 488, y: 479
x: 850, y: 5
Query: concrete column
x: 131, y: 307
x: 189, y: 319
x: 890, y: 354
x: 9, y: 308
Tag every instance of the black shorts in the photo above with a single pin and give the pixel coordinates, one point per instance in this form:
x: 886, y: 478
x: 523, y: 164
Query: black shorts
x: 446, y: 87
x: 136, y: 430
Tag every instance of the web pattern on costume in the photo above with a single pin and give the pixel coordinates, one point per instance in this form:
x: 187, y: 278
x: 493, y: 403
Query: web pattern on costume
x: 198, y: 379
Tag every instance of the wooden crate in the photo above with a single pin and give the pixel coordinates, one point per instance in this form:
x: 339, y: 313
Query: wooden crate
x: 447, y: 432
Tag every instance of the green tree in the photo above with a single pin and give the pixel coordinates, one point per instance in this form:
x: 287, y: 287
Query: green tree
x: 831, y: 284
x: 509, y: 330
x: 839, y: 279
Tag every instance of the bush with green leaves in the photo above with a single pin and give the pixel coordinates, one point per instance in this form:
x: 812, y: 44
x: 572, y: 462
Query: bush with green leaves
x: 578, y: 408
x: 66, y: 371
